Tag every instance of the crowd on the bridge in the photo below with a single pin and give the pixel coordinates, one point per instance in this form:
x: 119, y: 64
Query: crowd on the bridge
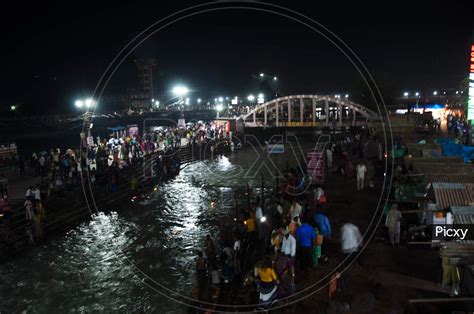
x: 285, y: 235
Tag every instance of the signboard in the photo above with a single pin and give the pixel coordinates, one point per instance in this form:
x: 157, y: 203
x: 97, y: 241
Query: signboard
x: 133, y: 130
x: 275, y: 148
x: 181, y: 123
x: 470, y: 101
x: 316, y: 167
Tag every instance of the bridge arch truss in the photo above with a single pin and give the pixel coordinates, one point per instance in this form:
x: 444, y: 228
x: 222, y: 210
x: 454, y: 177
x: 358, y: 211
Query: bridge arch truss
x: 309, y: 110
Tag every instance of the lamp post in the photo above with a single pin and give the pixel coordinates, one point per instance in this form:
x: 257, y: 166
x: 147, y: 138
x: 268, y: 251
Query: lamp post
x: 86, y: 104
x: 180, y: 91
x: 219, y: 108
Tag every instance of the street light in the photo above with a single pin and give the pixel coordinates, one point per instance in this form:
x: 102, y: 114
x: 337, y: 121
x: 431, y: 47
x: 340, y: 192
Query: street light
x: 187, y: 101
x: 89, y: 102
x: 221, y: 99
x: 417, y: 94
x: 435, y: 93
x: 261, y: 75
x: 347, y: 95
x: 251, y: 97
x: 219, y: 108
x: 12, y: 107
x: 275, y: 78
x: 79, y: 103
x: 199, y: 100
x: 180, y: 90
x: 406, y: 94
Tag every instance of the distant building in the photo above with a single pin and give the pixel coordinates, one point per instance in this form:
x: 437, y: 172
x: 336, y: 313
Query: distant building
x: 141, y: 97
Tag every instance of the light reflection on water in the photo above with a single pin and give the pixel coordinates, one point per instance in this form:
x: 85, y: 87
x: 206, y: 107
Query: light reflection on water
x: 89, y: 269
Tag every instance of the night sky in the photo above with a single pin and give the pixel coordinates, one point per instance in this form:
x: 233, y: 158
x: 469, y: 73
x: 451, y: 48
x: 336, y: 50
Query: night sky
x: 54, y: 53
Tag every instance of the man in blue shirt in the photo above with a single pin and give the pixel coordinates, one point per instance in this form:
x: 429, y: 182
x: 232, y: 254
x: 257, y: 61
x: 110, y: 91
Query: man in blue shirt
x: 322, y: 222
x: 305, y: 236
x: 324, y: 227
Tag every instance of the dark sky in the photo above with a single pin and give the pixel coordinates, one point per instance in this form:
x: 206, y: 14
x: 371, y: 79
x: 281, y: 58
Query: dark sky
x: 54, y: 53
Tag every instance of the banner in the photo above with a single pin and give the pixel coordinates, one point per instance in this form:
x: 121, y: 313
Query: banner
x: 316, y: 167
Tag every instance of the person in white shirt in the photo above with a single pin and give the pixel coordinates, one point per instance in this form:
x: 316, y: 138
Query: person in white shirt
x: 351, y: 238
x: 361, y: 171
x: 288, y: 245
x: 318, y: 192
x: 37, y: 193
x: 236, y: 257
x: 279, y: 208
x: 34, y: 193
x: 295, y: 209
x: 258, y: 213
x: 329, y: 158
x: 392, y: 222
x: 215, y: 276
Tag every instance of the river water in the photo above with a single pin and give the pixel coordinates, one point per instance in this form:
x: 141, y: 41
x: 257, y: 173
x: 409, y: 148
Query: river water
x: 138, y: 257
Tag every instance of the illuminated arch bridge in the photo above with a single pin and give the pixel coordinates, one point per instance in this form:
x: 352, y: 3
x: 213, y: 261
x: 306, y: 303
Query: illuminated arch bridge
x: 309, y: 111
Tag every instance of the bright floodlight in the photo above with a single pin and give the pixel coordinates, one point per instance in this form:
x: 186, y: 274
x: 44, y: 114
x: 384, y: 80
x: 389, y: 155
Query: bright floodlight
x: 347, y: 95
x: 157, y: 102
x: 12, y: 107
x: 405, y: 94
x: 417, y: 94
x: 435, y: 93
x: 221, y: 99
x: 88, y: 102
x: 180, y: 90
x: 79, y: 103
x: 261, y: 74
x: 275, y: 78
x: 251, y: 98
x: 219, y: 107
x: 199, y: 100
x: 260, y: 95
x: 457, y: 92
x: 187, y: 101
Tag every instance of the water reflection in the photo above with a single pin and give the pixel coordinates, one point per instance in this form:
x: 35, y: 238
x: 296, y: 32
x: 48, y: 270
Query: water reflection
x: 93, y: 267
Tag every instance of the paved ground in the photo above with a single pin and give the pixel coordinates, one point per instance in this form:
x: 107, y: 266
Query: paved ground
x: 384, y: 278
x: 17, y: 184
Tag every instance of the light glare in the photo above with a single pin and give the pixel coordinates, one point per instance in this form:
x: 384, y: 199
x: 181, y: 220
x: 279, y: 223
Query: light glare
x: 180, y: 90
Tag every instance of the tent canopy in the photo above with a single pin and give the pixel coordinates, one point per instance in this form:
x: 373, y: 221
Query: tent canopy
x: 116, y: 128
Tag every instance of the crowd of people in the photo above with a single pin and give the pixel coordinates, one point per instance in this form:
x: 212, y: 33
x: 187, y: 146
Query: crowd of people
x: 99, y: 162
x: 286, y: 234
x: 458, y: 126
